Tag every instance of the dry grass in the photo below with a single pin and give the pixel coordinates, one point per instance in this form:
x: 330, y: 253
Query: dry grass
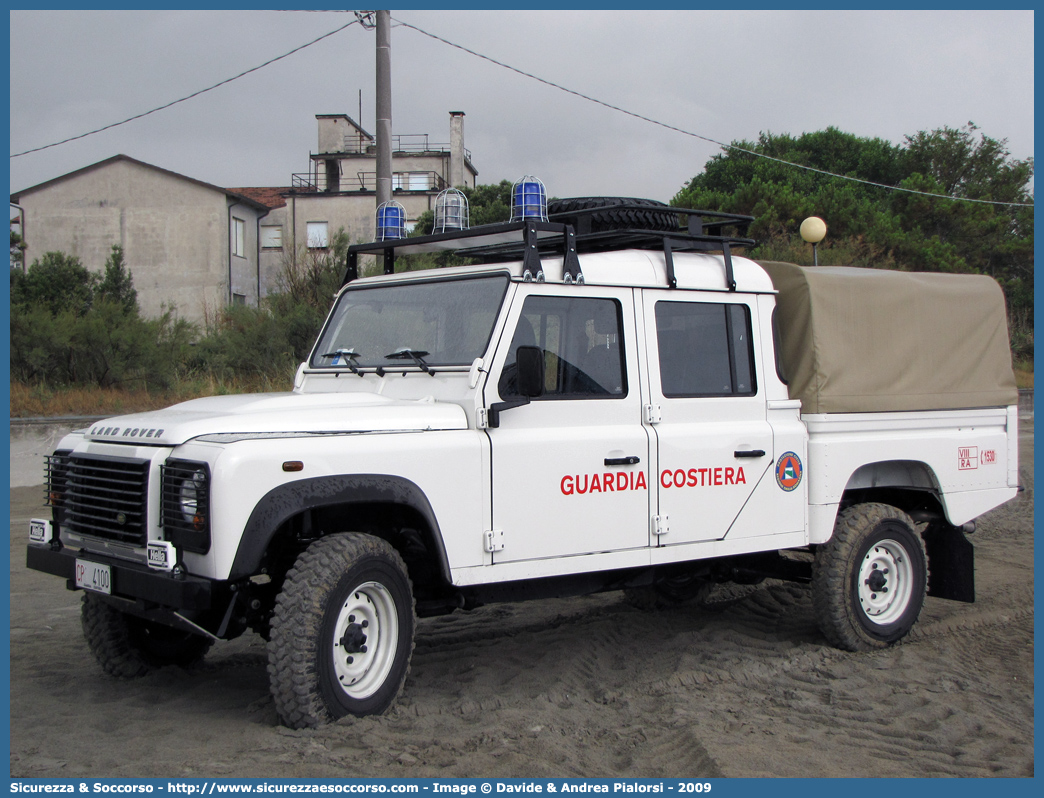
x: 38, y: 401
x: 1024, y: 376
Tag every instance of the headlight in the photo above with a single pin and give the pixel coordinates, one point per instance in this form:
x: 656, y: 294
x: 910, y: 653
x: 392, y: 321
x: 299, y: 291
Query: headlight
x: 56, y: 477
x: 191, y: 490
x: 185, y: 511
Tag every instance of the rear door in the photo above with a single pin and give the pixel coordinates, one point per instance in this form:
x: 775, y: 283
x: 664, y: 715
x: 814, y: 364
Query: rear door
x: 713, y: 442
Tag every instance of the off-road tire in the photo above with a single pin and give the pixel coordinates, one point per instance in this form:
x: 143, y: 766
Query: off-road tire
x: 129, y: 647
x: 348, y: 596
x: 869, y: 580
x: 669, y: 592
x: 657, y: 217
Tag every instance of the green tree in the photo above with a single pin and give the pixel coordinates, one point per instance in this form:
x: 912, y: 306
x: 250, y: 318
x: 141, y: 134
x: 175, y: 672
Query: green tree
x: 118, y: 283
x: 57, y: 282
x: 68, y: 326
x: 244, y: 340
x: 487, y: 204
x: 17, y: 250
x: 308, y: 281
x: 877, y: 227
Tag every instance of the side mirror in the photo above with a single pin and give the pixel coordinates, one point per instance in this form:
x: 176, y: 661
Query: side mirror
x: 530, y: 361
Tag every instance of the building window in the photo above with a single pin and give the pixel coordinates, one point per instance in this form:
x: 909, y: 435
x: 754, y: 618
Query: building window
x: 238, y: 299
x: 272, y: 236
x: 412, y: 181
x: 318, y: 235
x: 238, y: 237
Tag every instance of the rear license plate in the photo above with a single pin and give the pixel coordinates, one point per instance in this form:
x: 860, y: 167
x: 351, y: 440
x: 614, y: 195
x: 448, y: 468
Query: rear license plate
x: 94, y: 576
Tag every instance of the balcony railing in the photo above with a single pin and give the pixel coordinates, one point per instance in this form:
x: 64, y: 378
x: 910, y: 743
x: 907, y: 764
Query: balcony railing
x: 367, y: 181
x: 405, y: 142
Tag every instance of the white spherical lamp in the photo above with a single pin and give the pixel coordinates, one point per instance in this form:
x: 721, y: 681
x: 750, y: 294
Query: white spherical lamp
x: 813, y: 229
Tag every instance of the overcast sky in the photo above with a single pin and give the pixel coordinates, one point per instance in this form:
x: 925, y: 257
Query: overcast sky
x: 724, y: 75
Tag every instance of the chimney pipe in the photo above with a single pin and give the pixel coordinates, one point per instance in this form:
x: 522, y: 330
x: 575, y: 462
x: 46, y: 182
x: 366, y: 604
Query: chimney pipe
x: 456, y: 162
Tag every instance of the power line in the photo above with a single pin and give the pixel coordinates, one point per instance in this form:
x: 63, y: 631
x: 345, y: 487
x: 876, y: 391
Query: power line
x: 191, y: 96
x: 697, y: 135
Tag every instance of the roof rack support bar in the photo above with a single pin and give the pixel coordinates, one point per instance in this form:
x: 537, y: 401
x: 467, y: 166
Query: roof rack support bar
x: 351, y: 271
x: 672, y: 280
x: 532, y: 266
x: 389, y: 260
x: 571, y: 272
x: 730, y: 278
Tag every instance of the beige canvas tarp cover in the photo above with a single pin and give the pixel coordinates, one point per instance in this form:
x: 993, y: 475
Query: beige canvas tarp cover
x: 871, y: 340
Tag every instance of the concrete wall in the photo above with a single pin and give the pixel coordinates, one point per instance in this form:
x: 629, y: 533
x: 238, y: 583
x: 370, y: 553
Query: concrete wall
x: 175, y: 233
x: 243, y: 269
x: 355, y: 212
x: 335, y: 131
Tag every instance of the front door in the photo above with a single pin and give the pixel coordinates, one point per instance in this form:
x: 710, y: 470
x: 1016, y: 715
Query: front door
x: 571, y: 471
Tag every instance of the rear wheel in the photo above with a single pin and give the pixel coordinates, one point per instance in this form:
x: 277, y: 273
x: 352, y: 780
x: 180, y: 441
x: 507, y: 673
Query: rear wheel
x: 342, y: 632
x: 128, y: 647
x: 869, y: 580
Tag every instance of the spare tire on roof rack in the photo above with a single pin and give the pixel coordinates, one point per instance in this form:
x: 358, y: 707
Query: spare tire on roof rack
x: 613, y: 213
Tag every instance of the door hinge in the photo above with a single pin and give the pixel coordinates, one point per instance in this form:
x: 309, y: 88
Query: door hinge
x: 661, y: 525
x: 653, y: 414
x: 482, y: 418
x: 494, y: 540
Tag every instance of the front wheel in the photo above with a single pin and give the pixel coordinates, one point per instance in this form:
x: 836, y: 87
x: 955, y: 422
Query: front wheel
x: 869, y: 580
x: 129, y: 647
x: 342, y: 632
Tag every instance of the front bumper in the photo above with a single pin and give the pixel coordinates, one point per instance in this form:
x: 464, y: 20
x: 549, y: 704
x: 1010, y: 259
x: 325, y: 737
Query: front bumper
x: 129, y: 580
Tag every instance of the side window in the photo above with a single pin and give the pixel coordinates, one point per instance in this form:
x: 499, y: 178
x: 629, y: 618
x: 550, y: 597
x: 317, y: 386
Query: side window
x: 705, y: 349
x: 318, y: 235
x: 238, y: 237
x: 582, y: 343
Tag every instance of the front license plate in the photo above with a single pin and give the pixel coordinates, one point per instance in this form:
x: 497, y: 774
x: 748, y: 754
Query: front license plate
x: 94, y: 576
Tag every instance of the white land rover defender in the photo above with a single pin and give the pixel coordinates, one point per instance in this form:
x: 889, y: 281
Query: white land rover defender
x: 609, y: 400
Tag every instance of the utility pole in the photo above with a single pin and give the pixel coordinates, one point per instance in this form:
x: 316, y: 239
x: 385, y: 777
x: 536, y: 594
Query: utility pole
x: 384, y: 116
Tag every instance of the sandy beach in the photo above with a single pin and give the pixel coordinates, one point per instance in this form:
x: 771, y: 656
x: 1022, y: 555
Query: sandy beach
x: 744, y: 686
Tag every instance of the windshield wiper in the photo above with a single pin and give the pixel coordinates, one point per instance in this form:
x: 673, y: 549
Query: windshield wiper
x: 349, y: 355
x: 416, y: 355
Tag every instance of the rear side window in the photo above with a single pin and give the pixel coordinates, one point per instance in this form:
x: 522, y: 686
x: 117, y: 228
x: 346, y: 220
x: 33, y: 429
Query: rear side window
x: 704, y: 349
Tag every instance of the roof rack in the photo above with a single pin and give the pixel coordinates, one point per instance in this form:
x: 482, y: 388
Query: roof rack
x: 572, y: 232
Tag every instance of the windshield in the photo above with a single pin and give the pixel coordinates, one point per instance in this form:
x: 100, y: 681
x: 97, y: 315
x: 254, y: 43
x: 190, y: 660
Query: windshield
x: 441, y: 323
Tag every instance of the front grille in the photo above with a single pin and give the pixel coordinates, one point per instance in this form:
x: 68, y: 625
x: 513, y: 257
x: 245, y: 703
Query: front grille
x: 105, y: 497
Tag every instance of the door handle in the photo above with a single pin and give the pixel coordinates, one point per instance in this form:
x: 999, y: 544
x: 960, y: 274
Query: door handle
x: 749, y: 453
x: 632, y: 460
